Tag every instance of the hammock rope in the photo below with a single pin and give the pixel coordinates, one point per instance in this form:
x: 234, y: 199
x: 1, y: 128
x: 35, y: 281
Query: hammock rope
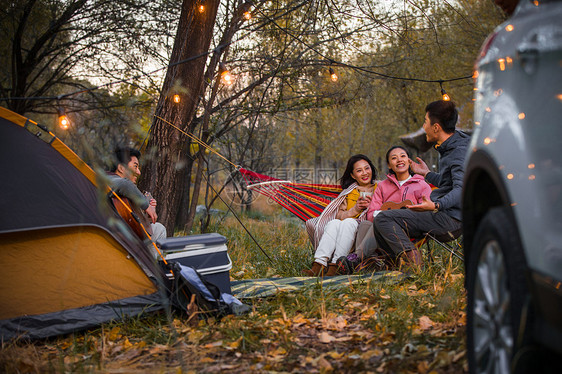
x: 304, y: 200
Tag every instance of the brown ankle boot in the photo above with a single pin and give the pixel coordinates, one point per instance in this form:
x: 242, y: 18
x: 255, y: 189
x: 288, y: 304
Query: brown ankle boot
x: 332, y: 269
x: 316, y: 270
x: 412, y: 259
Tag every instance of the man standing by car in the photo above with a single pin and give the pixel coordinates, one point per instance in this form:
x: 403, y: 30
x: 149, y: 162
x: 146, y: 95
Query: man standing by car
x: 441, y: 214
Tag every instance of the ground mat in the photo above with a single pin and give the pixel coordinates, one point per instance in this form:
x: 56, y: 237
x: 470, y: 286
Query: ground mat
x: 265, y: 287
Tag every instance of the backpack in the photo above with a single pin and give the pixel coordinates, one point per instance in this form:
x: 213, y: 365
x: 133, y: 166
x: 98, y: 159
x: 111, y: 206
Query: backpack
x: 193, y: 294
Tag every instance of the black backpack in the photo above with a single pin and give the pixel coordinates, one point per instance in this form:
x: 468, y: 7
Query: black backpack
x: 190, y: 293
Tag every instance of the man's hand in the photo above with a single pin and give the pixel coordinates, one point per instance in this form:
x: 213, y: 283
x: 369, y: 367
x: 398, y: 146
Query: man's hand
x: 425, y: 205
x: 151, y: 211
x: 419, y: 167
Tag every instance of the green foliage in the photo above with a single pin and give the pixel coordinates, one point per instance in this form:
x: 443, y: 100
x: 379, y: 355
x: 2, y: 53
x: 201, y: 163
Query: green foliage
x: 287, y: 246
x: 418, y: 41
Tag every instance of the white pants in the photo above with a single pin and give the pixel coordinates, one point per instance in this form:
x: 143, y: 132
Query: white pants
x: 336, y: 241
x: 158, y: 231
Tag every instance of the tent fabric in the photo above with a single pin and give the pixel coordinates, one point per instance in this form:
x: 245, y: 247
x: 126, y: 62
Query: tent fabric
x: 267, y: 287
x: 63, y: 258
x: 68, y: 320
x: 68, y: 268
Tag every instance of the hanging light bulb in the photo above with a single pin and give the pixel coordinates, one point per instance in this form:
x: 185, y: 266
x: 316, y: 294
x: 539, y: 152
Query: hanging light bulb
x: 333, y: 75
x: 177, y: 99
x: 63, y: 120
x: 247, y: 15
x: 201, y: 7
x: 444, y: 95
x: 225, y: 74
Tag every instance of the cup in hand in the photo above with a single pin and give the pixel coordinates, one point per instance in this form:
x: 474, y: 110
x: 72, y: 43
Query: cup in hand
x: 151, y: 200
x: 365, y: 194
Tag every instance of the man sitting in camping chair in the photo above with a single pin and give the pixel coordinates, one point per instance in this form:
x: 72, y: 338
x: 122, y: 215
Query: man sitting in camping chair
x: 441, y: 214
x: 122, y: 179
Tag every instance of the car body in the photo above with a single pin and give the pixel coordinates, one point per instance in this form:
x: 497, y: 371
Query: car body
x: 512, y: 196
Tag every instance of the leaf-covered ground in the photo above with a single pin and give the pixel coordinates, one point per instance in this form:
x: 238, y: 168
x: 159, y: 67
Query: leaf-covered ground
x: 416, y: 326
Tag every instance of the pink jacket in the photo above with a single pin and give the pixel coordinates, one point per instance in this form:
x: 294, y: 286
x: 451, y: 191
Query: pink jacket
x: 390, y: 190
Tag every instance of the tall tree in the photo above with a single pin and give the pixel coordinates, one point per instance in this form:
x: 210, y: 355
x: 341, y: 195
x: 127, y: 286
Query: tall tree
x: 52, y: 48
x: 265, y: 71
x: 169, y: 165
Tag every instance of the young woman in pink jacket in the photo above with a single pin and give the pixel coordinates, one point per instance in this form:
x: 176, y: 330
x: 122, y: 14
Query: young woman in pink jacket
x: 400, y: 185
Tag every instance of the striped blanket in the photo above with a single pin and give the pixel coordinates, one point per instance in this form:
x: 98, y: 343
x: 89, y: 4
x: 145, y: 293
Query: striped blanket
x: 256, y: 288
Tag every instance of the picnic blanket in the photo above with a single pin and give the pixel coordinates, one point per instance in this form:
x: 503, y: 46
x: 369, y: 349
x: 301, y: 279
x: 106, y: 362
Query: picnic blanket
x: 265, y: 287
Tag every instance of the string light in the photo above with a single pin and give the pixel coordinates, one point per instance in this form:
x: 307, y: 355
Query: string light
x: 247, y: 15
x: 177, y: 99
x: 63, y: 120
x: 201, y: 8
x: 444, y: 95
x: 225, y: 74
x: 333, y: 75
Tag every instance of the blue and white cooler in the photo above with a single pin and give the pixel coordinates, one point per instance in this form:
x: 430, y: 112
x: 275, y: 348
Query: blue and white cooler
x: 207, y: 253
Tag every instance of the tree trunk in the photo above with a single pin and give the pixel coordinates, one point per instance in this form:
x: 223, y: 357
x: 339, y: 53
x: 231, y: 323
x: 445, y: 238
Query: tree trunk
x: 165, y: 162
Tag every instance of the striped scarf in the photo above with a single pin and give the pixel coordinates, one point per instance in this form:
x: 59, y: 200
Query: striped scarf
x: 315, y: 226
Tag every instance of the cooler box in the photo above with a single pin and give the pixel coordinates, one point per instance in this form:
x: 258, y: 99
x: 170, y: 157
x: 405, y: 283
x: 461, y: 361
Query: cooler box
x: 206, y: 252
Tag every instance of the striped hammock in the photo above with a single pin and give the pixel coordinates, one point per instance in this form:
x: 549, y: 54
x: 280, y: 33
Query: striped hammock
x: 304, y: 200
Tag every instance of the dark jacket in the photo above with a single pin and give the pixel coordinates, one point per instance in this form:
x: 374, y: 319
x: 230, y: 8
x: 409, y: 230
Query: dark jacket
x: 125, y: 188
x: 451, y: 173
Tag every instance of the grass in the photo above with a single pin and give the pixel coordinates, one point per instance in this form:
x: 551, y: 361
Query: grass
x: 414, y: 326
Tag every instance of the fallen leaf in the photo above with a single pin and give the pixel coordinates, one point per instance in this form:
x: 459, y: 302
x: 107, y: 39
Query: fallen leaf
x: 459, y: 355
x: 324, y: 364
x: 456, y: 276
x: 371, y: 353
x: 425, y: 323
x: 442, y: 359
x: 335, y: 355
x: 278, y: 352
x: 114, y: 333
x: 127, y: 344
x: 213, y: 344
x: 195, y: 336
x: 423, y: 367
x: 324, y: 337
x: 334, y: 323
x: 235, y: 344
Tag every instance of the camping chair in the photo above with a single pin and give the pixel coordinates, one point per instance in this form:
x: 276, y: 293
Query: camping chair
x: 450, y: 242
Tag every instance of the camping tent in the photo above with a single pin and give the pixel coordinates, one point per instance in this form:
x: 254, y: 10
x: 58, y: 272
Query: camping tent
x: 64, y: 264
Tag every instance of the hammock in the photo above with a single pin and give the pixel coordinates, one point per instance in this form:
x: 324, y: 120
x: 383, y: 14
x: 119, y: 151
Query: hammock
x: 304, y: 200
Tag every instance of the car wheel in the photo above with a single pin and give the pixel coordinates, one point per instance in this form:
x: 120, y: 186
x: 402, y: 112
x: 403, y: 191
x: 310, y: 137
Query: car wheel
x: 496, y: 292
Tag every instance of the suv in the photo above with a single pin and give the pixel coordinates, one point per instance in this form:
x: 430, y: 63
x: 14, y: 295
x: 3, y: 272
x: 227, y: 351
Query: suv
x: 512, y: 197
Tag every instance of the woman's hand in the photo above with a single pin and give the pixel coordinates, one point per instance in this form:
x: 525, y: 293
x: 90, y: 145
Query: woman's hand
x: 362, y: 203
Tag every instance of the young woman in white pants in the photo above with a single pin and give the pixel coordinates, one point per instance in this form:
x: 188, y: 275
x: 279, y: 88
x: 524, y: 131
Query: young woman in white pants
x: 333, y: 232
